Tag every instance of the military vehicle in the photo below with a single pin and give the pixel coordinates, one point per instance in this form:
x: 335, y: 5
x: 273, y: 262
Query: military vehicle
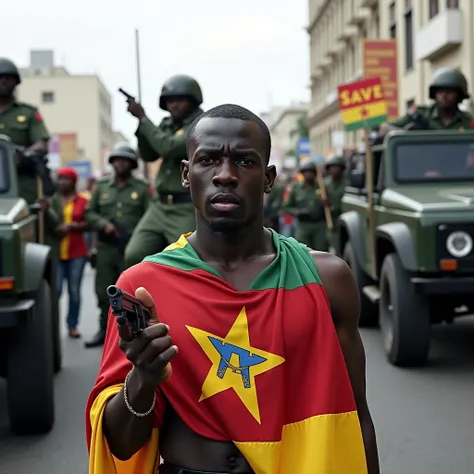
x: 30, y: 349
x: 407, y: 235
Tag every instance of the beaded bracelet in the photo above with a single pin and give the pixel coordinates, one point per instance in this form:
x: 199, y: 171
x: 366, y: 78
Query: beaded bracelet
x: 130, y: 409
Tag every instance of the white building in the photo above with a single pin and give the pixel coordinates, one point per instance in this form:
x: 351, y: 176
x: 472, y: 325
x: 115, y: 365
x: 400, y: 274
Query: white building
x: 430, y: 34
x: 76, y: 108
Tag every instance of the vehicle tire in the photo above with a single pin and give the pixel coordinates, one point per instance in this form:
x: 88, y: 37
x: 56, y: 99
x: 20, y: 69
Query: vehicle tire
x: 30, y: 384
x: 368, y: 310
x: 404, y: 316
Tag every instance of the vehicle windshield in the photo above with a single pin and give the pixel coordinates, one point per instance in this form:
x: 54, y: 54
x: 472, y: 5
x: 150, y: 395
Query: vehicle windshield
x: 4, y: 179
x: 440, y: 161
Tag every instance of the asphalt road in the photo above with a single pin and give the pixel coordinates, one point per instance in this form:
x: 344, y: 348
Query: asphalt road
x: 424, y: 418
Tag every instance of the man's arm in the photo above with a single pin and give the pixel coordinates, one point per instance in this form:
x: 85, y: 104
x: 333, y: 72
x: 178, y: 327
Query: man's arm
x: 168, y: 145
x: 39, y: 135
x: 93, y: 217
x: 343, y: 297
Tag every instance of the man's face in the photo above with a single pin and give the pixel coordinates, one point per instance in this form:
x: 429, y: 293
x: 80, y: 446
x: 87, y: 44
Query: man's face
x: 447, y: 98
x: 122, y: 166
x: 335, y: 171
x: 227, y: 172
x: 309, y: 176
x: 178, y: 107
x: 66, y: 184
x: 7, y: 85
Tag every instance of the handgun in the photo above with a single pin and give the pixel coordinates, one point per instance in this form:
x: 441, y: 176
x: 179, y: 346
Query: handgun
x: 128, y: 96
x: 128, y: 308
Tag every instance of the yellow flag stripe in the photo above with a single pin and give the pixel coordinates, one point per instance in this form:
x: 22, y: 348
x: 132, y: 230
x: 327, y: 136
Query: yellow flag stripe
x: 364, y: 112
x: 101, y: 460
x: 323, y: 444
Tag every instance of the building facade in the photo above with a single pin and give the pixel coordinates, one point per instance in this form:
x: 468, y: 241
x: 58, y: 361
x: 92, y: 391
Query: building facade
x: 430, y: 34
x: 283, y: 125
x: 76, y: 106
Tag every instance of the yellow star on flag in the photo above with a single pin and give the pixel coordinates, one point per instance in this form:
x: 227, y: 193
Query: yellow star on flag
x: 235, y: 363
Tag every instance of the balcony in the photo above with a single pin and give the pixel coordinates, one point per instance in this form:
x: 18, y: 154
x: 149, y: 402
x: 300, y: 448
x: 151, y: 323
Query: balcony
x: 348, y: 33
x: 441, y: 34
x: 359, y: 17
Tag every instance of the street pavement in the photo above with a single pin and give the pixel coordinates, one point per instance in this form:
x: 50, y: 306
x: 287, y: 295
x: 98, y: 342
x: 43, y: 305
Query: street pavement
x: 424, y: 418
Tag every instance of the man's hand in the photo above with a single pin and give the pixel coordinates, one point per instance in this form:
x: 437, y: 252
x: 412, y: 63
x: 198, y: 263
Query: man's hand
x: 44, y: 203
x: 62, y: 230
x: 326, y: 202
x: 111, y: 230
x: 152, y: 350
x: 136, y: 110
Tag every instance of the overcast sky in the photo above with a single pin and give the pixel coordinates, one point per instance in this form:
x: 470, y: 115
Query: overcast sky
x: 251, y: 52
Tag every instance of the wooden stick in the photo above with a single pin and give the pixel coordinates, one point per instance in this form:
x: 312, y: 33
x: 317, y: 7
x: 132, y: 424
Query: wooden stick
x: 322, y: 187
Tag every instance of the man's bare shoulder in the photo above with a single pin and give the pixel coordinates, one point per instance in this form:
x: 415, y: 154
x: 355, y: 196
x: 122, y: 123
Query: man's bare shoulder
x: 331, y: 268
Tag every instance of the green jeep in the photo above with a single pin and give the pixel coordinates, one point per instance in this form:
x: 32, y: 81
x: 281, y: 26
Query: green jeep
x: 408, y: 234
x: 30, y: 350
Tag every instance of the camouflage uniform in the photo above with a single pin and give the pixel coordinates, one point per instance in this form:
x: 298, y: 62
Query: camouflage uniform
x: 172, y: 212
x: 335, y: 192
x: 427, y: 116
x: 306, y: 205
x: 123, y: 206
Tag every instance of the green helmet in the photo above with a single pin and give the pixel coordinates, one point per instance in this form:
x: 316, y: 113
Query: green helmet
x: 449, y: 78
x: 8, y: 67
x: 124, y: 150
x: 181, y: 86
x: 336, y: 161
x: 307, y: 165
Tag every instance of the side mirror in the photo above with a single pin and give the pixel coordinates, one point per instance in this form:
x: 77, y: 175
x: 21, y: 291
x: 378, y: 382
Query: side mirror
x: 357, y: 179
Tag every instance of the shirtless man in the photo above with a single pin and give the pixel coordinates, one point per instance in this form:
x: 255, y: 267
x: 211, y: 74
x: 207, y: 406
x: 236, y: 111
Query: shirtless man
x: 228, y: 172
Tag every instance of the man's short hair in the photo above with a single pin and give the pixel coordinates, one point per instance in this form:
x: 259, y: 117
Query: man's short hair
x: 232, y: 111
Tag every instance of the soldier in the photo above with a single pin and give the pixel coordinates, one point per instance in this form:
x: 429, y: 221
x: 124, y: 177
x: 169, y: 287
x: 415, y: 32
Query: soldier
x: 335, y: 184
x: 23, y: 124
x: 273, y: 206
x: 172, y: 213
x: 114, y: 210
x: 306, y: 205
x: 448, y: 89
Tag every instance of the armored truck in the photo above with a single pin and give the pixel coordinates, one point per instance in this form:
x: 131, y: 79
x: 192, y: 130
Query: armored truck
x: 407, y: 232
x: 30, y: 349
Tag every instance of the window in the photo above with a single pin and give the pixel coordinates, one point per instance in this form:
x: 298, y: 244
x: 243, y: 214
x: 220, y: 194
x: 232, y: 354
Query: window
x: 433, y: 8
x: 410, y: 103
x: 427, y: 162
x: 393, y: 20
x: 47, y: 97
x: 408, y: 17
x: 452, y: 4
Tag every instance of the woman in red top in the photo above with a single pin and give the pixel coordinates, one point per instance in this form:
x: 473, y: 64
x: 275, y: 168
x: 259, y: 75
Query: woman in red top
x: 73, y: 248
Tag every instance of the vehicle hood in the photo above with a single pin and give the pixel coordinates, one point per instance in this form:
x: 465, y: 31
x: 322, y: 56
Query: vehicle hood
x: 429, y: 198
x: 12, y: 210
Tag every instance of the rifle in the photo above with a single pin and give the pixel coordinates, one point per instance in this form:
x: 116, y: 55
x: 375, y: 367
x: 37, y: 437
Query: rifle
x: 128, y: 96
x: 129, y: 309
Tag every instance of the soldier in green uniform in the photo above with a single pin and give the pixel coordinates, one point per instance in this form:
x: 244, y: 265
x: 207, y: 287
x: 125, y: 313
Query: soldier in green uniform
x: 23, y: 124
x: 115, y: 208
x: 448, y: 89
x: 172, y: 213
x: 306, y: 205
x: 335, y: 185
x: 273, y: 206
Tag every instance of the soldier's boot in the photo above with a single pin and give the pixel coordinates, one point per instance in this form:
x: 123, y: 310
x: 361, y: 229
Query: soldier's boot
x: 99, y: 338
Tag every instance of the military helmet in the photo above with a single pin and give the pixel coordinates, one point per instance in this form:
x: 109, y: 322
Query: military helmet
x: 181, y: 86
x: 336, y: 160
x: 307, y: 165
x: 8, y: 67
x: 124, y: 150
x: 449, y: 78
